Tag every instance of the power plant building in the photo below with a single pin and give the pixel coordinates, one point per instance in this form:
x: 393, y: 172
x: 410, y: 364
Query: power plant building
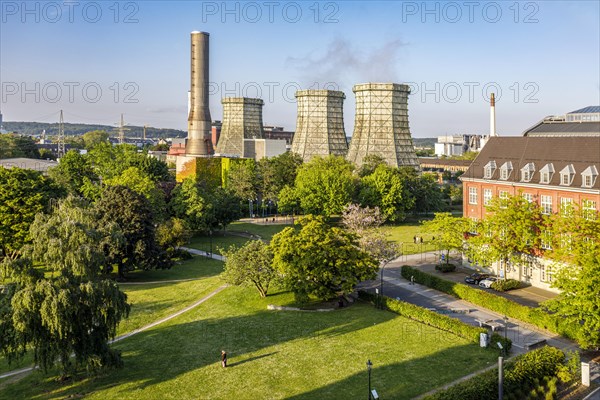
x: 320, y: 124
x: 242, y: 119
x: 381, y: 125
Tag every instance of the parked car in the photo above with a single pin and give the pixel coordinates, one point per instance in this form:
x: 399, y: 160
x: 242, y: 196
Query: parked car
x: 476, y: 278
x: 487, y: 283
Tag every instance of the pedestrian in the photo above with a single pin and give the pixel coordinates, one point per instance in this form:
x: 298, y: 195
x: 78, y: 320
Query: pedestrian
x: 223, y: 359
x: 412, y: 279
x: 414, y: 239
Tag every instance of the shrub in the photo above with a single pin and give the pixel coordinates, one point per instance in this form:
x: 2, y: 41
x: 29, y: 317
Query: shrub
x: 505, y: 342
x: 427, y: 317
x: 503, y: 285
x: 491, y: 301
x: 446, y: 267
x: 520, y: 377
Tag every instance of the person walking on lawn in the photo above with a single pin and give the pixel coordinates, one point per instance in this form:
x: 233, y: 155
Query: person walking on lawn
x: 223, y: 358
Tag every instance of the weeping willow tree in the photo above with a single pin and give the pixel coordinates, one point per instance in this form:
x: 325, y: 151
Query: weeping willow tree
x: 55, y: 299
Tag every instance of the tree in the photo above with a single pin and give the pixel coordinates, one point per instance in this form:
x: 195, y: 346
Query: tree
x: 172, y: 234
x: 13, y: 145
x: 449, y: 232
x: 365, y: 223
x: 277, y: 172
x: 74, y: 172
x: 511, y: 230
x: 250, y: 264
x: 325, y: 186
x: 92, y: 138
x: 576, y: 252
x: 191, y: 204
x: 242, y: 179
x: 319, y: 260
x: 386, y: 189
x: 424, y: 189
x: 72, y: 311
x: 23, y: 194
x: 141, y: 183
x: 370, y: 164
x: 289, y: 202
x: 132, y: 213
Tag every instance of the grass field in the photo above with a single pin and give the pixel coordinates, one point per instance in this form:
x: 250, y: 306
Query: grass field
x: 273, y: 355
x: 404, y: 234
x: 153, y: 301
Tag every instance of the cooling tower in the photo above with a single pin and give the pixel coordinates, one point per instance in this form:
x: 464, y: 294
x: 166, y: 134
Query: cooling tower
x: 199, y: 129
x: 320, y: 124
x: 381, y: 125
x: 242, y: 119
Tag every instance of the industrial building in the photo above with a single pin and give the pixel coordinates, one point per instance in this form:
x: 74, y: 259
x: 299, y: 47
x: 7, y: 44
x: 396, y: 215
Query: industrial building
x: 381, y: 125
x: 457, y: 145
x: 582, y: 122
x: 242, y: 119
x: 320, y: 124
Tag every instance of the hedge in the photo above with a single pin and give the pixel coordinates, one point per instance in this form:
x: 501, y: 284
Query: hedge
x: 427, y: 317
x: 521, y: 374
x: 491, y: 301
x: 503, y: 285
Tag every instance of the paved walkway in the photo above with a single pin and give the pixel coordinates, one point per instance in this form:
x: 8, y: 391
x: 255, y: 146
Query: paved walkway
x: 204, y: 253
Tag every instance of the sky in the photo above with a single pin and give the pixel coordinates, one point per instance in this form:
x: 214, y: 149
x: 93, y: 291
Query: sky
x: 98, y: 59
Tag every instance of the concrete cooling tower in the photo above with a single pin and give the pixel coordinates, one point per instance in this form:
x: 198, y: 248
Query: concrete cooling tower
x: 381, y: 125
x: 199, y: 121
x: 242, y: 119
x: 320, y: 124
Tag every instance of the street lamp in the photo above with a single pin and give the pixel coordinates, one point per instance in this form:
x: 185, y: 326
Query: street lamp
x: 210, y: 239
x: 369, y: 365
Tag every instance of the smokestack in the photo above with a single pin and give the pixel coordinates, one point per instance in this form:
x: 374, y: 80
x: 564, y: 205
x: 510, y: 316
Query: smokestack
x: 199, y: 120
x: 493, y: 116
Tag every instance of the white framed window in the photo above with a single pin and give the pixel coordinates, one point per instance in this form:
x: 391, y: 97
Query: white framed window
x: 472, y: 195
x: 487, y: 197
x: 588, y: 176
x: 542, y: 273
x: 588, y: 209
x: 566, y: 175
x: 528, y: 197
x: 546, y: 204
x: 505, y: 170
x: 546, y: 173
x: 488, y: 169
x: 546, y: 273
x: 527, y: 172
x: 546, y: 240
x: 566, y: 206
x: 566, y: 241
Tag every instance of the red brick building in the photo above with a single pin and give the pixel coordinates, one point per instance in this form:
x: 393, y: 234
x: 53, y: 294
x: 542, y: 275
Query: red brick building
x: 552, y: 171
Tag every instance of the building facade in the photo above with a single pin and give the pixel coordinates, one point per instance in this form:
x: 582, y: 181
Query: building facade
x: 552, y: 171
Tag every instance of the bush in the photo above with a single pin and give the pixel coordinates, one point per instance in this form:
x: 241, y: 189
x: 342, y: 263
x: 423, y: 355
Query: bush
x: 491, y: 301
x: 503, y: 285
x: 427, y: 317
x: 523, y: 377
x: 446, y: 267
x: 505, y: 342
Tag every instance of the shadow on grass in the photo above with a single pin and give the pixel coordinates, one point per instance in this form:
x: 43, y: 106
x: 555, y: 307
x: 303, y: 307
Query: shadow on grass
x: 237, y: 364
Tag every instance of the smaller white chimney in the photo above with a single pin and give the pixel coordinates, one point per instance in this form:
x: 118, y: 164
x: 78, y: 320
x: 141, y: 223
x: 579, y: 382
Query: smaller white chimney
x: 493, y: 116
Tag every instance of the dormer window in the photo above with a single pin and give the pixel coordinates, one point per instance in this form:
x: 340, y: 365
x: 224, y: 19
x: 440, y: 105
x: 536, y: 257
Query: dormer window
x: 527, y: 172
x: 566, y: 175
x: 505, y: 170
x: 588, y: 176
x: 546, y: 173
x: 489, y: 169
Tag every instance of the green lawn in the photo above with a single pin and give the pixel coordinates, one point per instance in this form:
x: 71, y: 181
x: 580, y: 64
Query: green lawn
x: 404, y: 234
x: 151, y: 302
x: 222, y: 240
x: 273, y: 355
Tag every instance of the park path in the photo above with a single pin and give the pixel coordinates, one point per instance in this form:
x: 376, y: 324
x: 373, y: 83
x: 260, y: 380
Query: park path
x: 135, y: 332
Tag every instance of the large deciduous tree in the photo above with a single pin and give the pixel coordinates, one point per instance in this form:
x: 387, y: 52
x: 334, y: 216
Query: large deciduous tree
x: 448, y: 231
x: 242, y: 179
x: 385, y: 188
x: 132, y: 213
x: 23, y: 194
x: 67, y: 317
x: 320, y: 260
x: 277, y: 172
x: 576, y: 249
x: 74, y: 172
x: 250, y: 264
x: 325, y: 186
x: 92, y: 138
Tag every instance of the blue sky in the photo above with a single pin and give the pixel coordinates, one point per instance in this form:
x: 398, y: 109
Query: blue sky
x: 96, y: 60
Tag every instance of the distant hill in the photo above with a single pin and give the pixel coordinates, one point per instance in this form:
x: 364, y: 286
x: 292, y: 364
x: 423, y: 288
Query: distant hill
x: 36, y: 128
x: 425, y: 142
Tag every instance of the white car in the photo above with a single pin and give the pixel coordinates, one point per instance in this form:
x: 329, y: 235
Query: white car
x: 487, y: 283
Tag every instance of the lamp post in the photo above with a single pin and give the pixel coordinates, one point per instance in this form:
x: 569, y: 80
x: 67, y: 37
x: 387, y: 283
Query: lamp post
x: 210, y: 239
x: 369, y: 365
x: 500, y: 378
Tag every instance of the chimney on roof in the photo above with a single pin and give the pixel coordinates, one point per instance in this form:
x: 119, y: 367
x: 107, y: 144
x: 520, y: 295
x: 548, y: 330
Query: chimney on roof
x: 493, y: 116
